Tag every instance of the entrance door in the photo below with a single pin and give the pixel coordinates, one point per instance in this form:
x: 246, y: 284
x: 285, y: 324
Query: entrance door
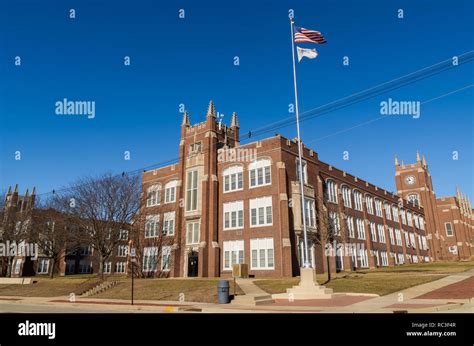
x: 193, y: 264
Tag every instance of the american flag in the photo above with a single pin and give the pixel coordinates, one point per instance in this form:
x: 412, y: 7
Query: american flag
x: 306, y: 35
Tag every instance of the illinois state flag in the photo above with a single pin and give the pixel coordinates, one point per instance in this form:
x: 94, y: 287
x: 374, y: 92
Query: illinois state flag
x: 305, y: 52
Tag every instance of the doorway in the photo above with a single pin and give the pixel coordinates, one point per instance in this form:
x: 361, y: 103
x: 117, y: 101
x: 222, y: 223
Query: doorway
x: 193, y: 264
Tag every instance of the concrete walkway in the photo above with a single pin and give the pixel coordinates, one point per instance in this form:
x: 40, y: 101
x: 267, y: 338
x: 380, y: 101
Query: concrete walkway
x: 254, y: 295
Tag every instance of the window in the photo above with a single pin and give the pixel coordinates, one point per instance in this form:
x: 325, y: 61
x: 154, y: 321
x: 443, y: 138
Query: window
x: 449, y: 229
x: 87, y: 251
x: 360, y: 229
x: 364, y: 260
x: 409, y: 219
x: 261, y: 211
x: 107, y: 267
x: 85, y: 267
x: 310, y: 210
x: 407, y: 241
x: 122, y: 251
x: 43, y: 266
x: 419, y: 242
x: 191, y: 190
x: 233, y: 253
x: 401, y: 258
x: 334, y: 223
x: 373, y: 233
x: 168, y: 223
x: 413, y: 198
x: 153, y: 195
x: 123, y: 234
x: 260, y: 173
x: 378, y: 207
x: 369, y: 205
x: 195, y: 148
x: 357, y: 200
x: 150, y: 255
x: 120, y: 267
x: 422, y: 222
x: 170, y: 191
x: 404, y: 216
x: 384, y: 256
x: 192, y: 233
x: 350, y: 226
x: 416, y: 221
x: 305, y: 171
x: 392, y: 238
x: 152, y: 225
x: 415, y: 259
x: 261, y: 251
x: 376, y: 255
x: 166, y: 258
x: 346, y: 196
x: 233, y: 178
x: 331, y: 191
x: 381, y: 231
x: 412, y: 240
x: 398, y: 237
x: 234, y: 215
x: 395, y: 213
x: 388, y: 211
x: 424, y: 244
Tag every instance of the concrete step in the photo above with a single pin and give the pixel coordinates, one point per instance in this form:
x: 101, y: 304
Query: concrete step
x: 250, y: 299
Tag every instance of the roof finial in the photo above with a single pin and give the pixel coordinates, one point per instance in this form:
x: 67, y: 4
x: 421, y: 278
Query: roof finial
x: 211, y: 112
x: 34, y: 191
x: 235, y: 121
x: 9, y: 190
x: 186, y: 121
x: 403, y: 164
x: 424, y: 161
x: 16, y: 189
x: 27, y: 192
x: 418, y: 159
x: 396, y: 160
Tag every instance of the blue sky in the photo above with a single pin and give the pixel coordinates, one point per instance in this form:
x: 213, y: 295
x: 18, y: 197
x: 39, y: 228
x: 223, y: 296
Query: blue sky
x: 190, y: 61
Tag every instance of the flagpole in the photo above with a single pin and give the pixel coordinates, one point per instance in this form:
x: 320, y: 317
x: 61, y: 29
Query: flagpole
x: 306, y: 263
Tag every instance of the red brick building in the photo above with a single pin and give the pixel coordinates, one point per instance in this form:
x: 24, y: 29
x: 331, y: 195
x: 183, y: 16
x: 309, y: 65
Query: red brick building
x: 224, y: 203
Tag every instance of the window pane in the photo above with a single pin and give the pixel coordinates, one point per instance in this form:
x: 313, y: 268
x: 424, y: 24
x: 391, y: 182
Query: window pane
x: 226, y: 259
x: 241, y: 218
x: 254, y: 259
x: 254, y: 216
x: 261, y: 216
x: 270, y: 257
x: 267, y: 175
x: 226, y: 220
x: 260, y: 176
x: 269, y: 214
x: 262, y: 258
x: 234, y: 219
x: 226, y: 183
x: 240, y: 181
x: 252, y: 178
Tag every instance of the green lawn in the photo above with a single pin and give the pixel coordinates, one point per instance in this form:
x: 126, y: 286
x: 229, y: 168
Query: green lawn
x: 45, y: 287
x: 194, y: 290
x: 378, y: 281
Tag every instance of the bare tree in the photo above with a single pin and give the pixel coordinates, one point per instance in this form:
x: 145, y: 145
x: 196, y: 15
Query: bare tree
x: 103, y: 207
x: 330, y: 230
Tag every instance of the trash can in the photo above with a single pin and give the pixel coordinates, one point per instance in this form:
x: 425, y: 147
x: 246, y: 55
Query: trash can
x: 223, y: 292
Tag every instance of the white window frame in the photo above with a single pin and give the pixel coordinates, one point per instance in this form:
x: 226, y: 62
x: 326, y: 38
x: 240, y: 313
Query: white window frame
x: 169, y: 223
x: 259, y: 246
x: 233, y: 215
x: 193, y: 228
x: 261, y: 168
x: 378, y: 207
x: 360, y: 228
x: 165, y: 265
x: 233, y: 253
x: 310, y: 208
x: 350, y: 226
x: 373, y: 232
x: 170, y: 191
x: 192, y: 190
x: 122, y: 251
x: 346, y: 196
x: 369, y: 204
x: 150, y: 259
x: 152, y: 226
x: 331, y: 191
x: 358, y: 200
x: 391, y: 235
x: 153, y: 195
x: 388, y: 211
x: 263, y: 207
x: 381, y: 233
x: 305, y: 170
x: 451, y: 234
x: 42, y: 268
x: 233, y: 178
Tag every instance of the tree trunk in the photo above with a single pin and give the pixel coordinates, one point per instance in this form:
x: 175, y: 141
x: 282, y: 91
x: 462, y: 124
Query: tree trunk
x: 329, y: 267
x: 9, y: 267
x: 53, y: 264
x: 101, y: 267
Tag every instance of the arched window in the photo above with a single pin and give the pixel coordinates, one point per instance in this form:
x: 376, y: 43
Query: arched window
x: 357, y: 200
x: 170, y: 191
x: 153, y: 195
x: 414, y: 198
x: 331, y: 191
x: 233, y: 178
x: 388, y: 211
x: 369, y: 204
x: 260, y: 172
x: 346, y: 196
